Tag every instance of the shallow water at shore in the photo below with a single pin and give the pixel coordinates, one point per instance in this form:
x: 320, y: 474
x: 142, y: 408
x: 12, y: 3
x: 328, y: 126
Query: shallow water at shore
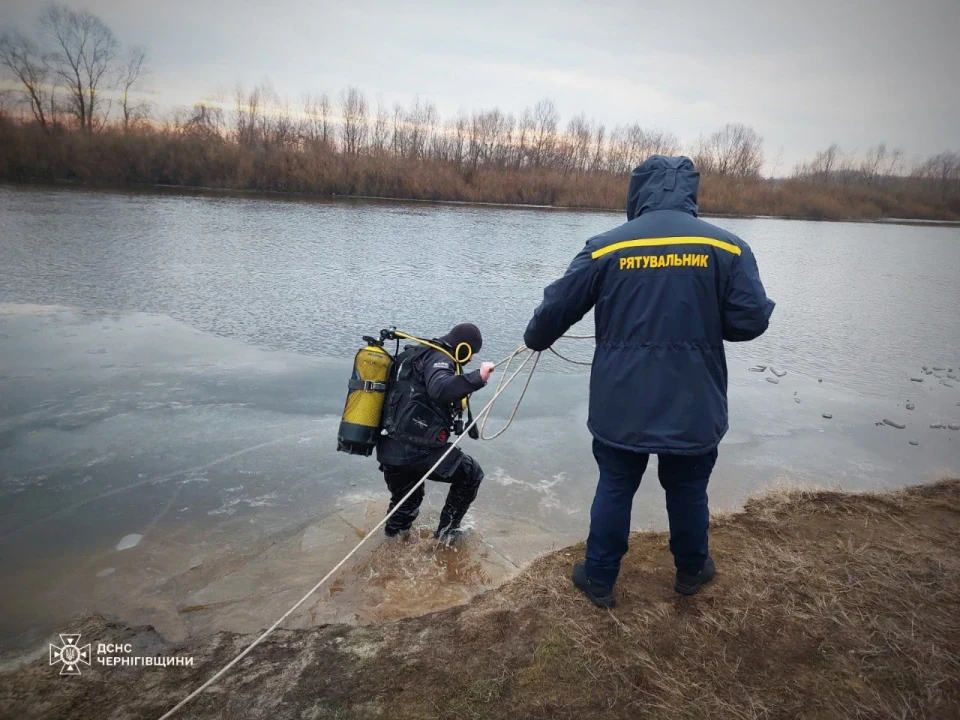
x: 171, y: 459
x: 190, y: 482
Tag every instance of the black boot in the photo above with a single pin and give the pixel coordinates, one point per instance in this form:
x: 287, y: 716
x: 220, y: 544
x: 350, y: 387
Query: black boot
x: 458, y: 502
x: 691, y: 584
x: 600, y: 596
x: 400, y: 523
x: 450, y: 536
x: 399, y: 481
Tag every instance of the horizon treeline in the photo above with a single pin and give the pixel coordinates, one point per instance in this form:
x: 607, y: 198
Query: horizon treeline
x: 78, y: 113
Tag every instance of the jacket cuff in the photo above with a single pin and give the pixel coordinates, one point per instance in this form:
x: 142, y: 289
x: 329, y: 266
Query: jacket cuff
x: 530, y: 341
x: 475, y: 380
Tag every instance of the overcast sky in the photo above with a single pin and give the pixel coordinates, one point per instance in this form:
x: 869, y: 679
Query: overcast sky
x: 803, y: 74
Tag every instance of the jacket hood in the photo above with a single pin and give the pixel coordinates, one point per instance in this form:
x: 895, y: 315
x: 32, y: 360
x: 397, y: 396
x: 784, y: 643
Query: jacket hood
x: 663, y: 183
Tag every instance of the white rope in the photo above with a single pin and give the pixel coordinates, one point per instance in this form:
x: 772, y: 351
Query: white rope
x: 500, y: 388
x: 571, y: 360
x: 508, y: 360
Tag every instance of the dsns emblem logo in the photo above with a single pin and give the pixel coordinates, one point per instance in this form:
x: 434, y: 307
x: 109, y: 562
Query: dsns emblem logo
x: 70, y: 655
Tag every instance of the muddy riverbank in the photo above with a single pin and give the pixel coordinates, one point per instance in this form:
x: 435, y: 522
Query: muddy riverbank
x: 826, y: 605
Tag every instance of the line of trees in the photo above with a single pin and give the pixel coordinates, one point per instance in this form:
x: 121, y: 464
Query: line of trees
x: 881, y: 167
x: 75, y: 79
x: 352, y: 126
x: 77, y: 75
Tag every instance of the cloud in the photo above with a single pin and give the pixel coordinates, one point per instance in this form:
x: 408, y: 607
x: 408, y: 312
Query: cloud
x: 631, y: 95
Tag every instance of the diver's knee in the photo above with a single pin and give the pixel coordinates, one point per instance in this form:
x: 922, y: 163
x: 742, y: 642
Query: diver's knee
x: 473, y: 473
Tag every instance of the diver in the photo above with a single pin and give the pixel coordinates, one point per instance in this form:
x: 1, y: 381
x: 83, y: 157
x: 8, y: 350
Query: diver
x: 425, y: 402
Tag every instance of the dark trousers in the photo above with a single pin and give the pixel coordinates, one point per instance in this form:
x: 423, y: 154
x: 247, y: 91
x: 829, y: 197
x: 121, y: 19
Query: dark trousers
x: 464, y: 481
x: 683, y: 477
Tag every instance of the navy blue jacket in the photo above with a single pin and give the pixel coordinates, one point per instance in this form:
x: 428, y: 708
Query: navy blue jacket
x: 668, y: 289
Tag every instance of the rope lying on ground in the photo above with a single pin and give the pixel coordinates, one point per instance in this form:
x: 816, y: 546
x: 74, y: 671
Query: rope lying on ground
x: 501, y: 386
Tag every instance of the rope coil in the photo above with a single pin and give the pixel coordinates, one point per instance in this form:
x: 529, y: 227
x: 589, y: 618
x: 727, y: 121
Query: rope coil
x: 484, y: 414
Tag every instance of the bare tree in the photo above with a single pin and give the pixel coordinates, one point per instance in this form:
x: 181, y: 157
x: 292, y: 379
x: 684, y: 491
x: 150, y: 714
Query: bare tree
x: 871, y: 167
x: 427, y: 119
x: 944, y: 170
x: 442, y: 146
x: 739, y: 151
x: 317, y: 123
x: 399, y: 138
x: 206, y: 119
x: 325, y: 108
x: 309, y: 126
x: 266, y: 119
x: 443, y: 141
x: 268, y: 100
x: 498, y: 135
x: 6, y: 101
x: 618, y: 160
x: 460, y: 138
x: 575, y: 147
x: 504, y: 148
x: 420, y: 125
x: 896, y: 162
x: 526, y: 128
x: 21, y: 57
x: 895, y: 166
x: 248, y: 112
x: 827, y: 161
x: 702, y: 155
x: 489, y: 136
x: 282, y: 128
x: 133, y: 73
x: 476, y: 139
x: 735, y: 150
x: 599, y: 148
x: 381, y: 131
x: 776, y: 163
x: 661, y: 142
x: 823, y: 167
x: 203, y: 120
x: 353, y: 120
x: 545, y: 119
x: 83, y: 58
x: 880, y: 164
x: 630, y: 145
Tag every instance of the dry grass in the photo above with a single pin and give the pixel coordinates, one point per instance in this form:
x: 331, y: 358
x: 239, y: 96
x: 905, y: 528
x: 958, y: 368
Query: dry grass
x: 152, y: 156
x: 826, y: 605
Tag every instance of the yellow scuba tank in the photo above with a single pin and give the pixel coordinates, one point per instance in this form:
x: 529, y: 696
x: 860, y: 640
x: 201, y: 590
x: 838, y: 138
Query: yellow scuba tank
x: 362, y: 417
x: 367, y: 389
